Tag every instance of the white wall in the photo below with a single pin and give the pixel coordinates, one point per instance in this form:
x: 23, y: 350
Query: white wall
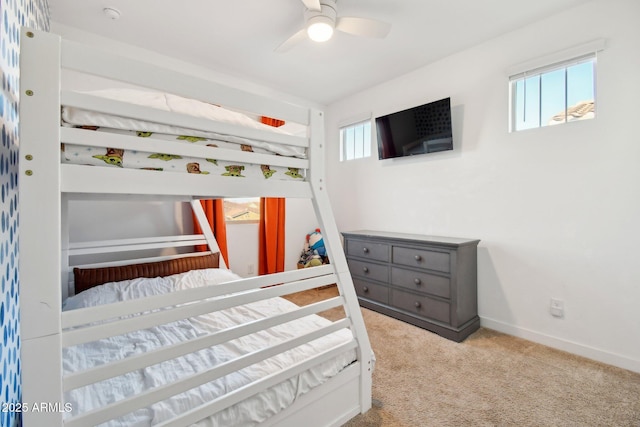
x: 556, y: 209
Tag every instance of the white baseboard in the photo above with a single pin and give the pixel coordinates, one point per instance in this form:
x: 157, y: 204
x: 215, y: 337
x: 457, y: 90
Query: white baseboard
x: 564, y: 345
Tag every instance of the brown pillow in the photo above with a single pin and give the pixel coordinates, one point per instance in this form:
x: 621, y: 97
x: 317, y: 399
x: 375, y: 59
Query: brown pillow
x: 86, y: 278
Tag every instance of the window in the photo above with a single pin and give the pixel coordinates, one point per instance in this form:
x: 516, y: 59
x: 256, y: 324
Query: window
x: 554, y: 89
x: 355, y: 140
x: 552, y: 95
x: 242, y: 209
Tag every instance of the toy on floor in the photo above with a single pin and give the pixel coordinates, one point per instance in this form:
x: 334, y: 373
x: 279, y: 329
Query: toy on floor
x: 313, y: 251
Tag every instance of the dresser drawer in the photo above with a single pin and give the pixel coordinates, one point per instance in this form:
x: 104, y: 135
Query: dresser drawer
x: 419, y: 305
x: 433, y: 260
x: 371, y: 291
x: 370, y: 250
x: 369, y: 270
x: 421, y: 282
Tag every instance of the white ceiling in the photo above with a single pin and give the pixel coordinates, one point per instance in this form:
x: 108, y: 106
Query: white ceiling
x: 238, y: 37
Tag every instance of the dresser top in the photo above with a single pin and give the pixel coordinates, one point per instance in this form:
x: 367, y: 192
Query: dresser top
x: 421, y: 238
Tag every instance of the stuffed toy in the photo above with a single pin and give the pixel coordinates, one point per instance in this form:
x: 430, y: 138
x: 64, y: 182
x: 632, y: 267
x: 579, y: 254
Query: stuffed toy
x: 316, y: 243
x: 306, y: 255
x: 314, y: 261
x: 313, y: 251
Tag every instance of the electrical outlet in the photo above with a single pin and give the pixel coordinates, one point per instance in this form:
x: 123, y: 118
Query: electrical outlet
x: 251, y: 269
x: 557, y: 308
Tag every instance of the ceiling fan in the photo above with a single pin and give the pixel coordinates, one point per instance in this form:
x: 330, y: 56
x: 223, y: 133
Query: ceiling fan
x: 321, y: 19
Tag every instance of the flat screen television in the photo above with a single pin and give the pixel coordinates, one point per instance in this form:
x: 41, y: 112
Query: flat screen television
x: 418, y: 130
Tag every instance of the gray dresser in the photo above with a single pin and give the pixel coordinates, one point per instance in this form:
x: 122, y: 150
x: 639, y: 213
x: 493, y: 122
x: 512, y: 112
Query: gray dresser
x: 428, y: 281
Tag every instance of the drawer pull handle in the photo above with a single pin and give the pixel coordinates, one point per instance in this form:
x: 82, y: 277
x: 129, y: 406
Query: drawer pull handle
x: 417, y: 281
x: 365, y: 289
x: 365, y: 250
x: 365, y: 269
x: 418, y: 258
x: 417, y: 304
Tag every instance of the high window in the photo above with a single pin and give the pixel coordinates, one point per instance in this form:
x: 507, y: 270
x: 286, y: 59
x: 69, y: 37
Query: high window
x: 355, y: 140
x: 560, y: 92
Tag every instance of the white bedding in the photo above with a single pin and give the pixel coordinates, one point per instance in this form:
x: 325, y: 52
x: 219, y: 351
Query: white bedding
x: 72, y: 116
x: 248, y: 413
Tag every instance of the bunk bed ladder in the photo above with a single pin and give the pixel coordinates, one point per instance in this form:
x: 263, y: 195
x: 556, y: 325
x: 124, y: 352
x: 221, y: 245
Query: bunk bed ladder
x: 333, y: 244
x: 196, y: 207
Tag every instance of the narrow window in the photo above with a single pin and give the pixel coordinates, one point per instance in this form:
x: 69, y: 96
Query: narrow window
x: 554, y: 94
x: 355, y: 140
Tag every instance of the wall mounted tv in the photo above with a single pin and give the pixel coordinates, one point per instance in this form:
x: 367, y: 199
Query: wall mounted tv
x: 418, y: 130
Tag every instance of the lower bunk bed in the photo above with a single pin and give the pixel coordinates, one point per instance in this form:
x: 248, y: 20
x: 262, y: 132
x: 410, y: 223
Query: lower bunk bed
x: 255, y: 355
x: 174, y: 338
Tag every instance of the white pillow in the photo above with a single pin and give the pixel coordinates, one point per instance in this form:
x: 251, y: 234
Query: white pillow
x: 112, y: 292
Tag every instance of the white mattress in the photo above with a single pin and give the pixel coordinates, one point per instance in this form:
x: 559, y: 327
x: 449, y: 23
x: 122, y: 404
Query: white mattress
x: 248, y: 413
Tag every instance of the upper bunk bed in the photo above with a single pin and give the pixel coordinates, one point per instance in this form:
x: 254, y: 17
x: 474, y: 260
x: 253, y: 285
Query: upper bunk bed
x: 94, y: 146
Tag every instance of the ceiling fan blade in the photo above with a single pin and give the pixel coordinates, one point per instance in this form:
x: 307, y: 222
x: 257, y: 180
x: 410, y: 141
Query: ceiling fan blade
x: 292, y: 41
x: 363, y: 27
x: 312, y: 5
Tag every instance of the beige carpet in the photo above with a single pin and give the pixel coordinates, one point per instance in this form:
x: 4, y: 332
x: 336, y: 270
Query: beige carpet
x: 490, y: 379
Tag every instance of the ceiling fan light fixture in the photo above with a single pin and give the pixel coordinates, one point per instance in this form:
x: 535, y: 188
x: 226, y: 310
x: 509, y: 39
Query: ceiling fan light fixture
x: 321, y: 20
x: 320, y: 28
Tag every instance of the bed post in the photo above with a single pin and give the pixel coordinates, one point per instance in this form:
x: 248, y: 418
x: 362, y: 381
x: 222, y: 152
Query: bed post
x: 40, y: 235
x: 333, y: 245
x: 67, y: 289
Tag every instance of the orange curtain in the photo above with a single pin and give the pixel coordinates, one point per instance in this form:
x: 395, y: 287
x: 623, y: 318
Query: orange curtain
x: 214, y: 211
x: 271, y: 237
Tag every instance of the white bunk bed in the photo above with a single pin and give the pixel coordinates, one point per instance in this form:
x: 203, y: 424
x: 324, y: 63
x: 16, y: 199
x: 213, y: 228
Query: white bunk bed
x: 59, y: 328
